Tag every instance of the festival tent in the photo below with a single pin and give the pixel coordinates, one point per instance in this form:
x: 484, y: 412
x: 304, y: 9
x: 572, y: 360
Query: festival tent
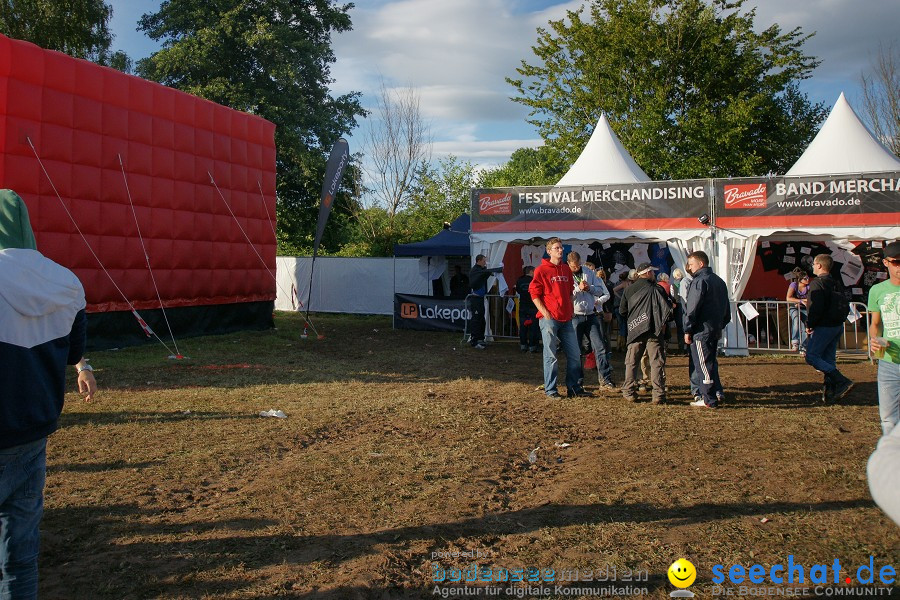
x: 603, y: 160
x: 604, y: 196
x: 844, y: 145
x: 119, y: 173
x: 840, y: 207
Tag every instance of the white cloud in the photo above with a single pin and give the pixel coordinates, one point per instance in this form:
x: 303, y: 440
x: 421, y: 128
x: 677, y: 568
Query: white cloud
x: 457, y: 54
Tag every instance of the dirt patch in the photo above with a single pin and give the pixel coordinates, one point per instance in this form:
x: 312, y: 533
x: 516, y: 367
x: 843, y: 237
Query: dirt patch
x: 405, y: 455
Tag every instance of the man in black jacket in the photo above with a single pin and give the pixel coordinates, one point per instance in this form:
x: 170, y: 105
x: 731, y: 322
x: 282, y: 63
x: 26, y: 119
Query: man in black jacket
x: 825, y: 326
x: 647, y: 309
x: 706, y: 313
x: 478, y: 277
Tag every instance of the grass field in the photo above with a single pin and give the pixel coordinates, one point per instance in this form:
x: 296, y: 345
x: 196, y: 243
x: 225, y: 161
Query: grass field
x: 402, y: 448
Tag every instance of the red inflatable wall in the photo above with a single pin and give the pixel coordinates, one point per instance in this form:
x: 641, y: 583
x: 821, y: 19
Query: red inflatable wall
x: 81, y: 118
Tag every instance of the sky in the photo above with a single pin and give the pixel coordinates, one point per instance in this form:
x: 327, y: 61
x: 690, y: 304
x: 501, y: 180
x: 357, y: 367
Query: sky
x: 456, y: 54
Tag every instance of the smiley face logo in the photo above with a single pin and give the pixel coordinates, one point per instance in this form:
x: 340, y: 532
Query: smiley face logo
x: 682, y: 573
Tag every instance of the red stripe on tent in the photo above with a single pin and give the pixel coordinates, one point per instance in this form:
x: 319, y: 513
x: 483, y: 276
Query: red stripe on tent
x: 595, y: 225
x: 799, y: 221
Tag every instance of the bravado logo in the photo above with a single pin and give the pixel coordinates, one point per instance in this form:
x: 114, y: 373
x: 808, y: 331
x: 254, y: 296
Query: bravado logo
x: 748, y: 195
x: 495, y: 204
x: 409, y: 310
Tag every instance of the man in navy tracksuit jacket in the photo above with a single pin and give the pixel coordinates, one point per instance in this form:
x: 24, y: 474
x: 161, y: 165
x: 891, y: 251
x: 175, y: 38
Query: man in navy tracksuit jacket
x: 707, y: 313
x: 42, y: 329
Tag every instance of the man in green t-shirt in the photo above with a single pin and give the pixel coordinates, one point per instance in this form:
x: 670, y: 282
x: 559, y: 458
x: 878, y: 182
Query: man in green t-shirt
x: 884, y: 337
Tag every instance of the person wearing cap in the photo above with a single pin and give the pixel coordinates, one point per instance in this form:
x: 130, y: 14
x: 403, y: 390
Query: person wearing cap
x: 42, y: 329
x: 646, y: 309
x: 588, y: 292
x: 884, y: 338
x: 706, y: 313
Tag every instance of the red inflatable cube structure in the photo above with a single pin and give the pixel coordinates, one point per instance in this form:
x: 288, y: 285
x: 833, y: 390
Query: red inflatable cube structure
x: 82, y: 120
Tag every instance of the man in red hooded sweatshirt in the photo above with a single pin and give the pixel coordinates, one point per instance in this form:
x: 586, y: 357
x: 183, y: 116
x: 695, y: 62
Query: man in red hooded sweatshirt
x: 551, y: 289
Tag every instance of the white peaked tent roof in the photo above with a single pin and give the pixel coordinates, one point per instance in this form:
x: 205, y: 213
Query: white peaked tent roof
x: 604, y: 160
x: 844, y: 145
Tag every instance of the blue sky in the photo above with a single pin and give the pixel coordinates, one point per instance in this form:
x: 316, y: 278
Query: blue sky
x: 456, y: 53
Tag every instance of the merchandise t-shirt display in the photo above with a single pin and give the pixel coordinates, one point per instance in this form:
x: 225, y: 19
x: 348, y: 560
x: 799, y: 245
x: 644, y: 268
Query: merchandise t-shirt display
x: 885, y: 299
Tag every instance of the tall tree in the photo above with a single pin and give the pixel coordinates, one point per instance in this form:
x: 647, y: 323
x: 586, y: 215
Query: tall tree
x: 690, y: 87
x: 881, y: 95
x: 80, y: 28
x: 396, y: 143
x: 272, y: 59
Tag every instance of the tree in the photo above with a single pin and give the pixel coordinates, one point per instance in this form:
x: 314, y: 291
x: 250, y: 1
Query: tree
x: 526, y: 166
x: 881, y: 96
x: 80, y: 28
x: 397, y: 143
x: 271, y: 59
x: 691, y: 88
x: 441, y: 194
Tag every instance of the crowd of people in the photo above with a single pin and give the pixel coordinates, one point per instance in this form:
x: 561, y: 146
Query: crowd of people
x: 571, y: 307
x: 565, y: 304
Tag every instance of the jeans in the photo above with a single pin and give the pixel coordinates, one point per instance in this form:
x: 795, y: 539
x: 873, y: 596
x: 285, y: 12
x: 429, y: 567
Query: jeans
x: 821, y: 348
x: 797, y: 324
x: 588, y: 326
x: 560, y: 333
x: 22, y: 472
x: 888, y: 395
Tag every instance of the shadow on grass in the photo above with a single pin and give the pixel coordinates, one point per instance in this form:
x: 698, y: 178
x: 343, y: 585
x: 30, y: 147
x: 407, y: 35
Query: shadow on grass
x: 72, y: 418
x: 796, y: 395
x: 81, y: 537
x: 101, y: 467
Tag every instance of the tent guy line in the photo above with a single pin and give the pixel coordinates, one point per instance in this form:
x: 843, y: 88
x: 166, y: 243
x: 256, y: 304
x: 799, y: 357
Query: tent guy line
x: 147, y: 330
x: 177, y: 355
x: 212, y: 180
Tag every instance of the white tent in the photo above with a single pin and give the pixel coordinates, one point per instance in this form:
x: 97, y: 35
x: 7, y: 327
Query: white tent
x: 604, y: 160
x: 844, y: 145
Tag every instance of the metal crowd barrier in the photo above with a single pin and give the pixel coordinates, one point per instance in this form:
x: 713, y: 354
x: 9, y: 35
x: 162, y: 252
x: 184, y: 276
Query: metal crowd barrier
x: 504, y: 325
x: 770, y: 331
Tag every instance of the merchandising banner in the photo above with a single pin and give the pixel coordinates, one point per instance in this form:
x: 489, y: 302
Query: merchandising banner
x: 819, y: 201
x: 429, y: 314
x: 636, y: 206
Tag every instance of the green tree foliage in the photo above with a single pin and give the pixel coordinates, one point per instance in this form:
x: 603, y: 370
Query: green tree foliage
x: 80, y: 28
x: 438, y: 192
x: 526, y: 166
x: 441, y: 194
x: 272, y: 59
x: 690, y: 87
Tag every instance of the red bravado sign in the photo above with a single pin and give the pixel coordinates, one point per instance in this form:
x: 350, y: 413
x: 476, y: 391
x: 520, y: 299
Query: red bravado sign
x: 495, y: 204
x: 747, y: 195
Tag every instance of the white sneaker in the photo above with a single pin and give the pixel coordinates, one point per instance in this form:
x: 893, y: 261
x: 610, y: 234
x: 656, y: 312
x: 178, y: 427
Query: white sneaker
x: 699, y: 403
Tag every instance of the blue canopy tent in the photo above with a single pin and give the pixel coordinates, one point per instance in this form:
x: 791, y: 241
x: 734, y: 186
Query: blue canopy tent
x: 449, y: 242
x: 452, y: 241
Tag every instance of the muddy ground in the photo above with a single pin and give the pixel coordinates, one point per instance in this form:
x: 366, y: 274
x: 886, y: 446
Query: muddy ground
x: 404, y: 456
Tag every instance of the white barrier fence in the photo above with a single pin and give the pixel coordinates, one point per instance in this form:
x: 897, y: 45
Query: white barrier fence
x: 779, y: 323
